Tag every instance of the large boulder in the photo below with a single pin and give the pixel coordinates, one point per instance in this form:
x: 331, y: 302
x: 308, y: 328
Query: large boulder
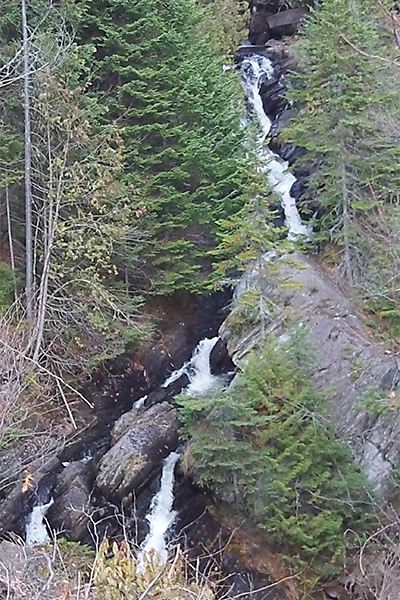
x: 142, y: 440
x: 268, y: 20
x: 71, y: 509
x: 353, y: 368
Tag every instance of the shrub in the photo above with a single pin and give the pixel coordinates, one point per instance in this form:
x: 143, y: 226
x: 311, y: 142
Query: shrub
x: 7, y: 286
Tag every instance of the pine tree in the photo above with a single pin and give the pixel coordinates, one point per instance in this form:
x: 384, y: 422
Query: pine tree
x: 266, y: 445
x: 341, y: 94
x: 185, y: 162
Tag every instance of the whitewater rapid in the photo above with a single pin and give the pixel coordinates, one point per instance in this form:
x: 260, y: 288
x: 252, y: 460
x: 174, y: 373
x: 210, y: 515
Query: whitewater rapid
x: 161, y: 515
x: 36, y: 531
x: 255, y: 70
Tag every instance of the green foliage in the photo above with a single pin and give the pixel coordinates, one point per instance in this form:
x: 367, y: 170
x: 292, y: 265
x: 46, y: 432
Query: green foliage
x: 377, y: 401
x: 267, y: 444
x: 379, y: 289
x: 74, y: 558
x: 10, y: 435
x: 7, y: 286
x: 160, y: 78
x: 345, y: 96
x: 226, y: 21
x: 246, y: 236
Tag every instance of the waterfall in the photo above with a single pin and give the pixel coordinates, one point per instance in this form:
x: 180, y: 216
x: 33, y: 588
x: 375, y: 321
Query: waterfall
x: 160, y: 517
x: 140, y: 403
x: 255, y: 70
x: 36, y: 532
x: 198, y: 370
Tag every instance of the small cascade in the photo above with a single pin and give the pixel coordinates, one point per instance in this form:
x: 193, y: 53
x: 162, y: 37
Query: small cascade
x: 36, y: 532
x: 198, y: 370
x: 160, y: 517
x: 140, y: 403
x: 255, y: 70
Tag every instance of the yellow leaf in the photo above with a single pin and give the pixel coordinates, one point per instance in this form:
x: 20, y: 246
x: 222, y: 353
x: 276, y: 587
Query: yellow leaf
x: 27, y: 483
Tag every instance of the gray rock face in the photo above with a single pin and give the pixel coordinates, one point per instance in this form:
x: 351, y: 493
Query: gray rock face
x: 142, y: 440
x: 351, y: 367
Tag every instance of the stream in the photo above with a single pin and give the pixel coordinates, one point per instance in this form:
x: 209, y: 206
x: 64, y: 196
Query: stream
x: 163, y: 503
x: 255, y: 69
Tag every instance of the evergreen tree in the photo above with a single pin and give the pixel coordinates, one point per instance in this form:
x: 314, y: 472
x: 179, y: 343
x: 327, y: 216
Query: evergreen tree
x: 79, y: 203
x: 185, y: 161
x: 341, y: 94
x: 227, y: 21
x: 266, y: 444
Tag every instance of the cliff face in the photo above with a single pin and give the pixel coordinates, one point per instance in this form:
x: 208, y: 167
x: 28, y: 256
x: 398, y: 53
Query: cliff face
x: 352, y: 368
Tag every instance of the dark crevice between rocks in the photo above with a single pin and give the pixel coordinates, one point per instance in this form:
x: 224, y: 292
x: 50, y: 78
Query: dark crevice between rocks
x: 272, y: 20
x: 209, y: 545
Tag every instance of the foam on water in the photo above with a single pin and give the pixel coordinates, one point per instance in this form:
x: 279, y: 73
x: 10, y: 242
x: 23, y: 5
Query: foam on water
x: 160, y: 517
x: 198, y: 370
x: 36, y: 532
x: 255, y: 70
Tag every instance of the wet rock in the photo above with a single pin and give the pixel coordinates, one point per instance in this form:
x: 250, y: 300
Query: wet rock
x: 283, y: 55
x: 285, y: 22
x: 138, y: 453
x: 167, y: 394
x: 259, y: 28
x: 286, y: 151
x: 271, y: 93
x: 71, y: 510
x: 220, y: 361
x: 349, y: 363
x: 34, y: 487
x: 268, y: 20
x: 243, y: 571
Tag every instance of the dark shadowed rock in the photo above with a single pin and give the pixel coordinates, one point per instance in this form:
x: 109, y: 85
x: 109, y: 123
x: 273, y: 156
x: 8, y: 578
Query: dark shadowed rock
x: 138, y: 452
x: 258, y: 28
x: 283, y: 55
x: 268, y: 20
x: 71, y: 510
x: 220, y: 361
x: 167, y: 394
x: 15, y: 509
x: 285, y: 22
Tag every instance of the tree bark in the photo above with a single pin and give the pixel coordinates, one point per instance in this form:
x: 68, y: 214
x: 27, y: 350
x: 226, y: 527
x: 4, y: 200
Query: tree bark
x: 28, y: 162
x: 10, y: 237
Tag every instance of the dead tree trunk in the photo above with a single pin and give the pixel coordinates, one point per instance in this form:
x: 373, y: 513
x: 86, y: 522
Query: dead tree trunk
x: 28, y: 163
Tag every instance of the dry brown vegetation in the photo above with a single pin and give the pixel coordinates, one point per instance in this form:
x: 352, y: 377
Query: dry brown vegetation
x: 68, y: 571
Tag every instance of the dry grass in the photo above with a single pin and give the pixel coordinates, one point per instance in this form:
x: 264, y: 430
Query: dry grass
x: 66, y: 571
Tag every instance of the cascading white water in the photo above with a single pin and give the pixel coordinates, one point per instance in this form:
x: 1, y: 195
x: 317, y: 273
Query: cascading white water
x: 160, y: 517
x: 198, y: 370
x: 36, y: 532
x: 140, y: 403
x: 255, y: 70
